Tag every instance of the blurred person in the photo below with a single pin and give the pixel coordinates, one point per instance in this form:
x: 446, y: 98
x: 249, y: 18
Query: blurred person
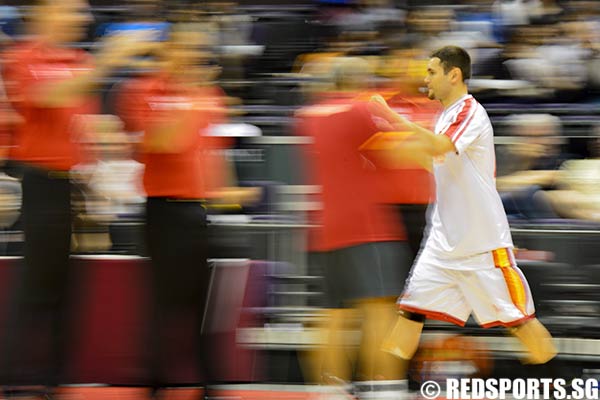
x: 319, y: 62
x: 585, y: 36
x: 116, y: 176
x: 111, y: 188
x: 174, y: 107
x: 538, y: 154
x: 426, y: 26
x: 316, y: 67
x: 534, y: 163
x: 369, y: 15
x: 566, y: 58
x: 577, y: 183
x: 412, y: 188
x: 233, y: 29
x: 552, y: 58
x: 358, y: 244
x: 467, y: 263
x: 514, y: 12
x: 49, y: 83
x: 524, y: 12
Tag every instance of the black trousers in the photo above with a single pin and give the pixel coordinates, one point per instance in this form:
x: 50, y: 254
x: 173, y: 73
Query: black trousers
x: 37, y: 321
x: 176, y: 235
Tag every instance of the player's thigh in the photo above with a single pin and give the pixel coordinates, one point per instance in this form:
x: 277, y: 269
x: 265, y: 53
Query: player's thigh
x: 498, y: 296
x: 434, y: 291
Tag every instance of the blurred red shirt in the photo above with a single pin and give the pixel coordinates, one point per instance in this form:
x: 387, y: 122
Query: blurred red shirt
x: 48, y: 136
x: 415, y: 185
x: 352, y: 212
x: 149, y: 102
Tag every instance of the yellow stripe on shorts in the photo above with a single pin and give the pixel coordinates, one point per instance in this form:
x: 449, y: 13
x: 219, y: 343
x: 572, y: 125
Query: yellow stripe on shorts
x: 512, y: 278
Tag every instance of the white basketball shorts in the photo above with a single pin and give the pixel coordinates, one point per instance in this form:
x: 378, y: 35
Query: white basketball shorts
x: 497, y: 293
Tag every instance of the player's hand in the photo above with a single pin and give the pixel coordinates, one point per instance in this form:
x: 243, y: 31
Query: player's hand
x: 377, y: 98
x: 380, y: 108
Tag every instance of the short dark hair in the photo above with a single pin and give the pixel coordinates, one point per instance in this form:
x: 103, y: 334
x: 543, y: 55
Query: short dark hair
x: 454, y: 57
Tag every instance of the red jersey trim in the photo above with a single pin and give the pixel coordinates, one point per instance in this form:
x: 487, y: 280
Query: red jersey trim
x: 463, y: 119
x: 509, y: 324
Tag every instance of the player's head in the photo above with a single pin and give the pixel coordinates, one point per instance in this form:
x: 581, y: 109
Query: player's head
x: 61, y: 21
x: 447, y: 70
x: 187, y: 53
x: 350, y: 74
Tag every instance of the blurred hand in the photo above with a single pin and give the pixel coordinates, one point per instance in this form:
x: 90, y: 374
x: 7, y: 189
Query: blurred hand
x: 380, y: 108
x: 378, y: 99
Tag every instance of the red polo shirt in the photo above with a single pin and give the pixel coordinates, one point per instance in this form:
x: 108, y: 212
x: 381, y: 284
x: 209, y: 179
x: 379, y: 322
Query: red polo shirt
x: 149, y: 102
x: 352, y: 212
x: 48, y: 137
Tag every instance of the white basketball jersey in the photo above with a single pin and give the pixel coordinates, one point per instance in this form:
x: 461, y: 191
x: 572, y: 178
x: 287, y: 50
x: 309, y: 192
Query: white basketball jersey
x: 468, y: 217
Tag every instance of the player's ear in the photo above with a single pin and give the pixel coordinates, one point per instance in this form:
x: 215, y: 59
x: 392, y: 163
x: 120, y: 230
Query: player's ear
x: 455, y: 75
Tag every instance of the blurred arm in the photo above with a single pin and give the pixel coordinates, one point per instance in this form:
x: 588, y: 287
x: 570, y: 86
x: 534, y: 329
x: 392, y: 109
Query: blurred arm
x: 523, y: 179
x: 429, y: 143
x: 421, y: 147
x: 117, y: 51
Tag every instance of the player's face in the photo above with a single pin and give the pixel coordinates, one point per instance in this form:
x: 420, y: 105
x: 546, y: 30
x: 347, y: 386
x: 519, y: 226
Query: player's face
x: 437, y: 81
x: 66, y: 20
x: 186, y: 52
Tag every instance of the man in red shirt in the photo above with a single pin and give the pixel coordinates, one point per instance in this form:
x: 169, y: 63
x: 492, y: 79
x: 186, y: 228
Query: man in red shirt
x: 173, y: 108
x: 412, y: 189
x: 49, y: 85
x: 359, y: 243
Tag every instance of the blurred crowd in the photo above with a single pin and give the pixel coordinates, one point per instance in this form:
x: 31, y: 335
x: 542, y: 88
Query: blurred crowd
x: 128, y: 128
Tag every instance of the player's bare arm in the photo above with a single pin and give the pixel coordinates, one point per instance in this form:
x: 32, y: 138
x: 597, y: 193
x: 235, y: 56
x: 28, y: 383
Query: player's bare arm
x: 420, y: 147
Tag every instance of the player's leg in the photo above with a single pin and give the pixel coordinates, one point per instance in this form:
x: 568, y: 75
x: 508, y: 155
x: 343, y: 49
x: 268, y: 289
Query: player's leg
x: 500, y: 296
x: 379, y: 271
x: 337, y: 354
x: 537, y: 340
x: 374, y: 364
x: 432, y: 292
x: 403, y: 339
x: 331, y: 361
